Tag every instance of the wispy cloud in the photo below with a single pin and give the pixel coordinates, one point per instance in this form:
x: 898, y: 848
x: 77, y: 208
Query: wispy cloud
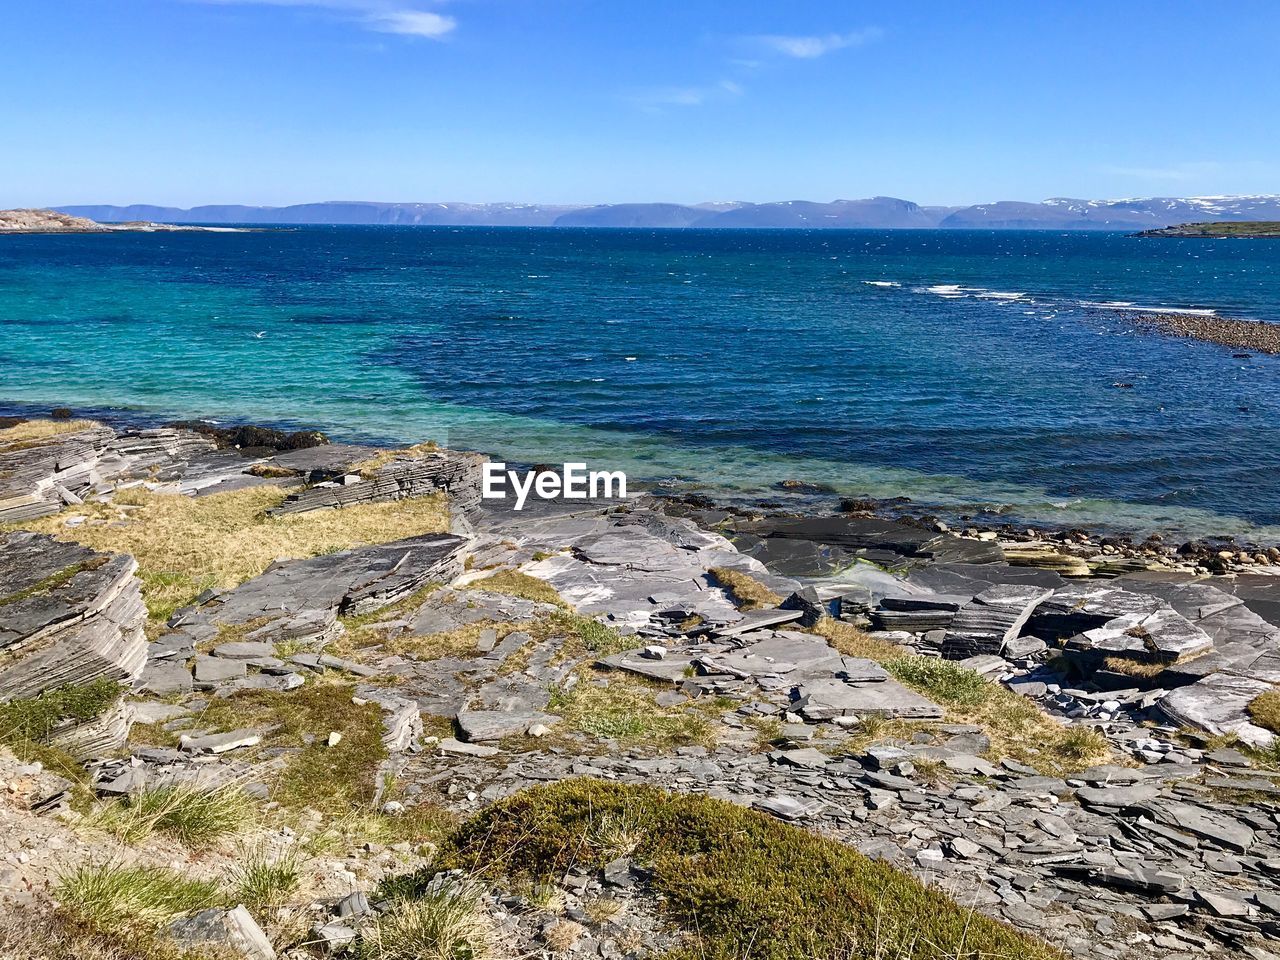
x: 812, y: 47
x: 380, y: 16
x: 414, y: 23
x: 656, y: 99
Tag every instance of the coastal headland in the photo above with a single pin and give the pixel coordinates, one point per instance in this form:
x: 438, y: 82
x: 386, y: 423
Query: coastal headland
x: 1218, y: 229
x: 51, y: 221
x: 363, y: 709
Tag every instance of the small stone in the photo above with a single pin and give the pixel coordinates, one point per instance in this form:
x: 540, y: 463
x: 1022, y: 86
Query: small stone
x: 220, y: 742
x: 333, y: 937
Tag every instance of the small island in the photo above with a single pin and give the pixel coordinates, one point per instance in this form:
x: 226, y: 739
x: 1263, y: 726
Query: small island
x: 1221, y: 228
x: 51, y: 221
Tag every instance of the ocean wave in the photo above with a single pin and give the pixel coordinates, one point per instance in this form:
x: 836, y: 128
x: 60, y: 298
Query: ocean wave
x: 1129, y: 307
x: 956, y: 291
x: 882, y: 283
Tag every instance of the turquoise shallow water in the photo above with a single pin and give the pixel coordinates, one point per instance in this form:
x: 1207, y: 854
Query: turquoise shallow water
x: 960, y: 369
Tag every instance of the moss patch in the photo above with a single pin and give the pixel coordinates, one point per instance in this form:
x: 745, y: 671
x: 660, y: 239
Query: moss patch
x: 334, y: 780
x: 740, y: 883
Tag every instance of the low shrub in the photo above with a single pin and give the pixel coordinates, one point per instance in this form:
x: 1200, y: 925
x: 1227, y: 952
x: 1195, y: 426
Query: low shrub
x: 738, y: 882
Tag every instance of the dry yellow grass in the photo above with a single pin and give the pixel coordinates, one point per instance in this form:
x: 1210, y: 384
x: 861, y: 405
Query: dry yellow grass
x: 32, y: 430
x: 370, y: 466
x: 1264, y: 710
x: 1017, y: 728
x: 517, y: 584
x: 1139, y: 669
x: 747, y: 592
x: 852, y: 642
x: 184, y: 545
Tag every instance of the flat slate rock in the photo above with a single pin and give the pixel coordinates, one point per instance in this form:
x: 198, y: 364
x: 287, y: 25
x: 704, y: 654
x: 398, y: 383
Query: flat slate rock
x: 477, y: 726
x: 759, y: 620
x: 827, y: 699
x: 786, y: 807
x: 302, y: 597
x: 1218, y: 704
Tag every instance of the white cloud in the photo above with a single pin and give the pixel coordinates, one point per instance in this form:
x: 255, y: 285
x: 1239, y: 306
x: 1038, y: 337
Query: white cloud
x: 414, y: 23
x: 812, y: 47
x: 655, y: 99
x: 381, y: 16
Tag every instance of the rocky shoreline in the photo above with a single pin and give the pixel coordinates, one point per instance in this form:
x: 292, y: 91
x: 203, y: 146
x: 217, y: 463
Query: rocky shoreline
x: 1064, y: 735
x: 1259, y: 336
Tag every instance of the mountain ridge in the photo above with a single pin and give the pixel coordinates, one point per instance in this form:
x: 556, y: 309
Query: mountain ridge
x: 1055, y: 213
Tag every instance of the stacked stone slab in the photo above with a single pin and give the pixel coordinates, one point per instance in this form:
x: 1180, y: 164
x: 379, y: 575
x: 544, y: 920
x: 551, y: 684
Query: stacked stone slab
x: 1104, y: 620
x: 40, y: 477
x: 917, y: 614
x: 991, y: 619
x: 69, y: 615
x: 443, y: 471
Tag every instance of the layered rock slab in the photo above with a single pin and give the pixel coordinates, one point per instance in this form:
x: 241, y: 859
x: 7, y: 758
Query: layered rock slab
x: 68, y: 615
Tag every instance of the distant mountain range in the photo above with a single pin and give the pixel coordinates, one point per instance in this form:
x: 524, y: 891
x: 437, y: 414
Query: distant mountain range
x: 879, y: 213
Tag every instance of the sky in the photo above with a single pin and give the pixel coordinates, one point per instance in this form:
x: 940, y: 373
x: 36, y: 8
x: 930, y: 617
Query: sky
x: 184, y: 102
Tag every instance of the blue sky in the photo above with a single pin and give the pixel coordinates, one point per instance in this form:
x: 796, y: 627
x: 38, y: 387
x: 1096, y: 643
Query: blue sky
x: 592, y: 101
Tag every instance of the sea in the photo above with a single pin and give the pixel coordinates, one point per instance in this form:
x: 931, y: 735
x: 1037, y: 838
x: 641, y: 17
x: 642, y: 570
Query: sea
x: 979, y: 373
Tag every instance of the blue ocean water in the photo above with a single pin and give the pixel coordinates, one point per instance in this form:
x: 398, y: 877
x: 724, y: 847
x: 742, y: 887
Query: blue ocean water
x: 957, y: 368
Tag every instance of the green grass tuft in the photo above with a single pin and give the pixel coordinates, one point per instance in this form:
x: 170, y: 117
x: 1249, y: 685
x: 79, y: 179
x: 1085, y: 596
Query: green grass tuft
x: 941, y: 680
x: 195, y: 816
x: 110, y: 897
x: 443, y: 922
x: 262, y: 882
